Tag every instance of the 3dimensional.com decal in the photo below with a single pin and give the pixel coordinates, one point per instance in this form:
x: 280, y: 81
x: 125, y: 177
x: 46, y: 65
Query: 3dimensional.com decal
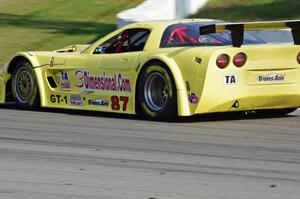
x: 116, y: 82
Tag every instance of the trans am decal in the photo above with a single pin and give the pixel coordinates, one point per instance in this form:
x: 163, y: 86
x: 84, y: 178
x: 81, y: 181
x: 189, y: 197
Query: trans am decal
x: 116, y: 82
x: 271, y: 77
x: 98, y: 102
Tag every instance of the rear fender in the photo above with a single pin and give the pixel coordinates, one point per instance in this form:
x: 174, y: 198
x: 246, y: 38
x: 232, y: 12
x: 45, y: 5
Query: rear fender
x: 182, y: 96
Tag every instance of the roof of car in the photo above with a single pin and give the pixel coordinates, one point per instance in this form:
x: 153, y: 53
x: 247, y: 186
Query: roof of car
x: 167, y: 22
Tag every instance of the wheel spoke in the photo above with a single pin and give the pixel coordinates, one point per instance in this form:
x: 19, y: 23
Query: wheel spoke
x: 24, y: 85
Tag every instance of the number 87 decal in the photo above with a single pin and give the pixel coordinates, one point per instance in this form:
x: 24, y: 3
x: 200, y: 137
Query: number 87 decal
x: 115, y: 102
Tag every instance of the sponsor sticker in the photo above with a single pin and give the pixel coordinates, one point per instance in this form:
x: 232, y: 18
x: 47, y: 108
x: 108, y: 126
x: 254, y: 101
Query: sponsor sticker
x: 230, y: 79
x: 75, y: 100
x: 98, y: 102
x: 116, y: 82
x: 58, y: 99
x: 271, y: 77
x: 193, y: 98
x: 65, y: 80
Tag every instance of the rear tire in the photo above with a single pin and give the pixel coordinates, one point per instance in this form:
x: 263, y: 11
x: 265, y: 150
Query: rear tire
x: 157, y: 92
x: 24, y: 85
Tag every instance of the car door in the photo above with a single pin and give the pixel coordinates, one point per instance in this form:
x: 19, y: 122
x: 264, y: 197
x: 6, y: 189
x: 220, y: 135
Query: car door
x: 118, y: 59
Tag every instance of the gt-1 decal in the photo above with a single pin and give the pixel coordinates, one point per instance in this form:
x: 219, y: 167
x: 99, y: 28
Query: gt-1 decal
x: 116, y: 82
x: 74, y: 100
x: 58, y: 99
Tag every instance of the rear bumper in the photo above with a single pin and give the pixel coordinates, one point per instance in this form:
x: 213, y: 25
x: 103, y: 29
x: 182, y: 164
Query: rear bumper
x: 4, y: 77
x: 242, y: 98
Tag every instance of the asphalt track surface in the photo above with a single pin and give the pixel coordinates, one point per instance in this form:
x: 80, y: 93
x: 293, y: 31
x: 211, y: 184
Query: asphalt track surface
x: 50, y: 154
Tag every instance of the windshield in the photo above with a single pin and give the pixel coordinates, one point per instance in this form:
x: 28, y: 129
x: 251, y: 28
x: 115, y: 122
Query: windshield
x: 187, y: 34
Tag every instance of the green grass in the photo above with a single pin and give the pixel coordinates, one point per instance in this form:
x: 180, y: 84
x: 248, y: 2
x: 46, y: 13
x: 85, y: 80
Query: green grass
x: 250, y: 10
x: 52, y: 24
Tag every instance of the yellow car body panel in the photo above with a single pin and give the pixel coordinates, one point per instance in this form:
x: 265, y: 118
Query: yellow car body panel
x: 4, y: 77
x: 75, y: 78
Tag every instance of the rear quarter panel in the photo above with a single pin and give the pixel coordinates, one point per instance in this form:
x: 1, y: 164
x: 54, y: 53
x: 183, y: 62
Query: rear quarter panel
x: 251, y: 93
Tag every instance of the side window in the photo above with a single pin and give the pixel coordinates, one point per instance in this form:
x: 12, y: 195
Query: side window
x: 138, y: 40
x: 103, y: 48
x: 130, y: 40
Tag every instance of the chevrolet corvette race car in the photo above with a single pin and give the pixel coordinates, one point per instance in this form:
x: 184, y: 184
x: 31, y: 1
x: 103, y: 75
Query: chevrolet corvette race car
x: 162, y: 69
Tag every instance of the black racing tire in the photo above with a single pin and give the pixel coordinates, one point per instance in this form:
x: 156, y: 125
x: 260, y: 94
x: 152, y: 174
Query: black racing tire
x: 275, y: 112
x: 156, y: 90
x: 24, y: 86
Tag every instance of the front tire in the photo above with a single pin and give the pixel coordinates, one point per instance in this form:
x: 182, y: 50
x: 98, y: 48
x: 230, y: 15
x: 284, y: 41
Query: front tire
x: 24, y: 85
x: 157, y: 92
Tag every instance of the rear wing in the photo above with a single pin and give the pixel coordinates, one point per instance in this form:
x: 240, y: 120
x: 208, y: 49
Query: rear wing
x: 237, y: 29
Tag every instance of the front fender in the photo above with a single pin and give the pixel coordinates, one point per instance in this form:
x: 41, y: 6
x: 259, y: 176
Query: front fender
x: 36, y: 60
x: 25, y: 55
x: 4, y: 77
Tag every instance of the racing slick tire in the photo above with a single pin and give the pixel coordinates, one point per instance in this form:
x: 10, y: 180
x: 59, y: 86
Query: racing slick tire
x: 157, y: 98
x: 24, y: 85
x: 275, y: 112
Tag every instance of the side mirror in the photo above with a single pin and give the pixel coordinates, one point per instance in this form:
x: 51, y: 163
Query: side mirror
x: 100, y: 50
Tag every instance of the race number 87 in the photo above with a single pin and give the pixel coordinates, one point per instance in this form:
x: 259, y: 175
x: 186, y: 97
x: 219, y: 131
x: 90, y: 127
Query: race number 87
x: 115, y: 102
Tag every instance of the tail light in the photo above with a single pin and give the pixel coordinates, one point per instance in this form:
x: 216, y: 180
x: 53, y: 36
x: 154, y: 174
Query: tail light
x: 298, y: 58
x: 239, y: 59
x: 222, y: 61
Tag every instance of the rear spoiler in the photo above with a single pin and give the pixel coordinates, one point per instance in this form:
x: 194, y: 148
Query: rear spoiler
x: 237, y: 29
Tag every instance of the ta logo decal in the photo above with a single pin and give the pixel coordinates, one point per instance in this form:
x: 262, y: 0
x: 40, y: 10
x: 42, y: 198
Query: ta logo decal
x: 64, y: 75
x: 65, y: 80
x: 230, y: 79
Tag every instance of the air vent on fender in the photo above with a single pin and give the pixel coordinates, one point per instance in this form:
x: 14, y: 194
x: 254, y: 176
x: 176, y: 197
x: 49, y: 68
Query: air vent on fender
x: 51, y: 82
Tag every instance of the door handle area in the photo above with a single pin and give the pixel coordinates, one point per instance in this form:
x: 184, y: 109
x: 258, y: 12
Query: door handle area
x: 125, y: 59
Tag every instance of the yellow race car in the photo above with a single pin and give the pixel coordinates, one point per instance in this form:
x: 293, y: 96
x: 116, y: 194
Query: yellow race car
x: 163, y: 69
